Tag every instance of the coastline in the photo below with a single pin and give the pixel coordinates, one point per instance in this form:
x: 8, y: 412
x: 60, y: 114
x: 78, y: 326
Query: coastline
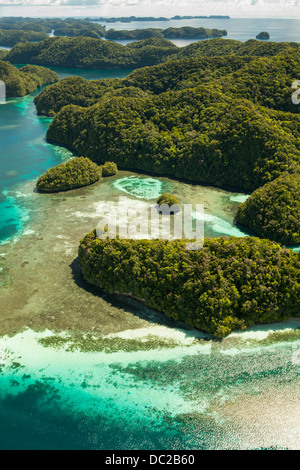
x: 105, y: 371
x: 167, y: 380
x: 50, y: 242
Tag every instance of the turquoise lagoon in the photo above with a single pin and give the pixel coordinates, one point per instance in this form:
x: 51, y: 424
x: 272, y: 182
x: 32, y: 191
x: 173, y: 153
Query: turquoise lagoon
x: 157, y: 386
x: 25, y: 154
x: 191, y: 393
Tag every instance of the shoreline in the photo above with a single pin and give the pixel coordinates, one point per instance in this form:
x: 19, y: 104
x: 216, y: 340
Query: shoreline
x: 65, y: 302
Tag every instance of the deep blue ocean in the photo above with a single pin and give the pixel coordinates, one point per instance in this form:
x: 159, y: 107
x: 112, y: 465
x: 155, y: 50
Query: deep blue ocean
x: 188, y: 393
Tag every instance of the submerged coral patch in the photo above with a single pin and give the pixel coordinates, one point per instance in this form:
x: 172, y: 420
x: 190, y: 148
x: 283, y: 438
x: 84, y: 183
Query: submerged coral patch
x: 144, y: 188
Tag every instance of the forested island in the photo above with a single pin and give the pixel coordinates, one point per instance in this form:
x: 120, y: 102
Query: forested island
x: 273, y: 211
x: 21, y: 82
x: 186, y: 32
x: 46, y: 25
x: 12, y: 37
x: 130, y: 19
x: 126, y: 19
x: 230, y: 284
x: 168, y: 200
x: 70, y: 30
x: 88, y: 53
x: 40, y: 24
x: 95, y: 53
x: 74, y: 174
x: 179, y: 119
x: 217, y: 112
x: 21, y: 30
x: 263, y: 35
x: 15, y: 30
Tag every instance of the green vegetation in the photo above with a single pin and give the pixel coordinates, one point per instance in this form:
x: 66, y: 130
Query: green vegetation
x: 25, y: 24
x: 263, y: 35
x: 148, y: 52
x: 91, y: 53
x: 220, y: 114
x: 157, y: 42
x: 146, y: 33
x: 74, y: 27
x: 230, y: 284
x: 266, y: 81
x: 95, y: 53
x: 12, y: 37
x: 93, y: 343
x: 37, y: 29
x: 74, y: 52
x: 227, y: 121
x: 273, y: 211
x: 109, y: 169
x: 198, y: 134
x: 86, y: 30
x: 76, y: 173
x: 169, y: 200
x: 72, y: 90
x: 188, y: 32
x: 185, y: 32
x: 3, y: 54
x: 171, y: 76
x: 20, y: 82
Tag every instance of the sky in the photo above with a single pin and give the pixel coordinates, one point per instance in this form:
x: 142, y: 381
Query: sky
x: 168, y: 8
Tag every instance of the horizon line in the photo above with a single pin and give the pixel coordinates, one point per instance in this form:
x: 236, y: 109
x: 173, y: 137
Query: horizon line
x: 225, y: 17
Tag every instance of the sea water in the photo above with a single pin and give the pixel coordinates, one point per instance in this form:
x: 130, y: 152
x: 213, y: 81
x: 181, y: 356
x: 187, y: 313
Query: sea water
x: 153, y: 385
x: 241, y: 29
x: 189, y: 393
x: 26, y: 155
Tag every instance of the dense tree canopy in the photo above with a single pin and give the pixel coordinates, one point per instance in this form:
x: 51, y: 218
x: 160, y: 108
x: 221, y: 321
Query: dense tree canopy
x: 91, y: 30
x: 169, y: 200
x: 263, y: 35
x: 220, y: 114
x: 109, y: 169
x: 227, y: 121
x: 273, y: 211
x: 173, y: 33
x: 73, y: 90
x: 20, y: 82
x: 194, y: 134
x: 9, y: 38
x: 72, y: 27
x: 266, y: 81
x: 3, y: 53
x: 76, y: 173
x: 60, y: 27
x: 74, y: 52
x: 95, y: 53
x: 230, y: 284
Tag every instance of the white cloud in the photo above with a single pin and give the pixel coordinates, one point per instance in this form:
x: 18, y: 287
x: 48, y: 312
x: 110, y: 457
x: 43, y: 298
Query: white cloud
x: 263, y: 8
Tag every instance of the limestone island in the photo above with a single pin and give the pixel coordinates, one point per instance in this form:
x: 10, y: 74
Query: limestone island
x: 263, y: 35
x: 23, y: 81
x: 194, y: 118
x: 167, y: 201
x: 76, y: 173
x: 109, y: 169
x: 230, y: 284
x: 273, y: 211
